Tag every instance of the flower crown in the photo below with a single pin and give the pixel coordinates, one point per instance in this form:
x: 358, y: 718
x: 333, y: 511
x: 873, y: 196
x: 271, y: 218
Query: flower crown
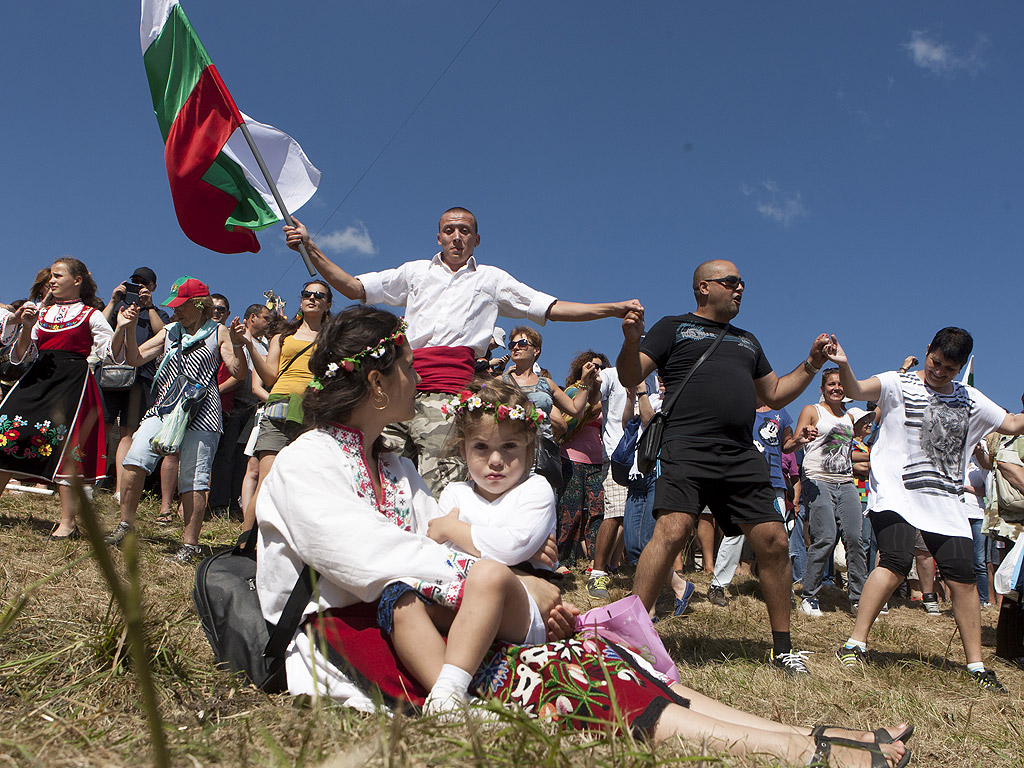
x: 471, y: 401
x: 352, y: 363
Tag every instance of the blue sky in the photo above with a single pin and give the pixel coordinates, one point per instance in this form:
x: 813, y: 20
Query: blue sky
x: 860, y: 162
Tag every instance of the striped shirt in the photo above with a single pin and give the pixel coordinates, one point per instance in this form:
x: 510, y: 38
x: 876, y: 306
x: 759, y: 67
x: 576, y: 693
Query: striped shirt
x: 200, y: 363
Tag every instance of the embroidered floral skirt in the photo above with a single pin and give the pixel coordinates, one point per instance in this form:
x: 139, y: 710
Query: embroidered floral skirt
x: 51, y: 422
x: 583, y: 682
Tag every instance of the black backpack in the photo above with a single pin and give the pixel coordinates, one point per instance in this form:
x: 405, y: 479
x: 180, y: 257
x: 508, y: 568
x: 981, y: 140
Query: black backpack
x: 230, y: 614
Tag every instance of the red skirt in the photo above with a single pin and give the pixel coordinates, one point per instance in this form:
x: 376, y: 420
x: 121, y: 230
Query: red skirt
x: 51, y: 422
x: 585, y: 683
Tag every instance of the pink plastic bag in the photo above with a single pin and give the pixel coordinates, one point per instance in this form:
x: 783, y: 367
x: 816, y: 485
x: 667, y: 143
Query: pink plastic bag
x: 626, y: 622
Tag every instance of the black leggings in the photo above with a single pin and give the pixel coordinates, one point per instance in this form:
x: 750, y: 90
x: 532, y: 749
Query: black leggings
x: 896, y: 538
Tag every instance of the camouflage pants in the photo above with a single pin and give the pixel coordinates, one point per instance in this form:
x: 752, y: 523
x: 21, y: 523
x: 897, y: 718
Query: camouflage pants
x: 423, y: 439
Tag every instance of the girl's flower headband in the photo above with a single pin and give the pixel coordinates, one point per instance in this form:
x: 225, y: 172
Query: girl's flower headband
x: 470, y: 401
x: 352, y: 363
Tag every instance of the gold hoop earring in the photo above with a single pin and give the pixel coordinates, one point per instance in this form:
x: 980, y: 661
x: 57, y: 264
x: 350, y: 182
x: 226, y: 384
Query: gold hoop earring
x: 382, y: 396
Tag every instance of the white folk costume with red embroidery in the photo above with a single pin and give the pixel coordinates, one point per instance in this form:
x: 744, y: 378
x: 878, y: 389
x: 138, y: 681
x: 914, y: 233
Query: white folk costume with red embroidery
x: 319, y: 500
x: 51, y: 422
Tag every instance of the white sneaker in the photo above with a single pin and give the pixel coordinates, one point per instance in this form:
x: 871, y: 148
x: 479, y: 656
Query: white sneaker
x: 809, y: 607
x: 450, y: 707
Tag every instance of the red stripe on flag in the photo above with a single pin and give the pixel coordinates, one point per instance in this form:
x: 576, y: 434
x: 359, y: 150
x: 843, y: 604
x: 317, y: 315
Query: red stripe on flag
x: 200, y: 130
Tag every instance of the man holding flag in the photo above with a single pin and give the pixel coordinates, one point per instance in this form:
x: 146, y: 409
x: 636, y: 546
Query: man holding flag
x: 452, y: 304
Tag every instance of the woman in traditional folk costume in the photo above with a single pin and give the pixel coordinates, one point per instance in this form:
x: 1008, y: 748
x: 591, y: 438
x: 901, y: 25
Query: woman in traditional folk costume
x: 337, y: 501
x: 51, y: 422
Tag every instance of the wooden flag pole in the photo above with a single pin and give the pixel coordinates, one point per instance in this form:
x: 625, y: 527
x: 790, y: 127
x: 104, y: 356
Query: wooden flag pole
x: 277, y: 195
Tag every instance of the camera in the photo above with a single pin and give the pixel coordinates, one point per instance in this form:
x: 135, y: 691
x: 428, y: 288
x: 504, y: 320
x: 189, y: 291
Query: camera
x: 131, y: 292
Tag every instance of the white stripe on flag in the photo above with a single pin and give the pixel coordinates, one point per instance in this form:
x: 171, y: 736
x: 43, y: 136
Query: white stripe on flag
x: 154, y: 16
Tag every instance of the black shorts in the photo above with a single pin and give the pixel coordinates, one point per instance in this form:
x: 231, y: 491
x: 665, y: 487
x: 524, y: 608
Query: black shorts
x: 128, y: 405
x: 732, y: 481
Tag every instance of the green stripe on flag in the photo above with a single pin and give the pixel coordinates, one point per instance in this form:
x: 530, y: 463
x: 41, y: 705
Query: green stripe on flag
x: 252, y: 211
x: 174, y: 62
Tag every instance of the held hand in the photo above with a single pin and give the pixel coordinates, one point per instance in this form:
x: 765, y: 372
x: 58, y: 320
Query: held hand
x: 296, y: 235
x: 633, y: 326
x: 145, y: 297
x: 562, y: 621
x: 548, y: 552
x: 623, y: 308
x: 27, y: 314
x: 545, y: 594
x: 127, y: 316
x: 118, y: 293
x: 909, y: 363
x: 438, y: 528
x: 835, y: 353
x: 589, y: 374
x: 819, y: 349
x: 807, y: 434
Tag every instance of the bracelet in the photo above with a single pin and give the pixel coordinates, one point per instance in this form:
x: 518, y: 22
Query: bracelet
x: 902, y: 370
x: 581, y: 386
x: 809, y: 367
x: 237, y: 346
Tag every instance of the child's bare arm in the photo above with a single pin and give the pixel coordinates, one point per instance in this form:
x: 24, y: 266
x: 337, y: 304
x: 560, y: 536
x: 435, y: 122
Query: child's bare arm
x: 450, y: 528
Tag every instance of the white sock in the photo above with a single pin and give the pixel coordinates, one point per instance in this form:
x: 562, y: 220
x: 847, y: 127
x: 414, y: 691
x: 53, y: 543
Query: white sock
x: 595, y: 574
x: 454, y: 680
x: 976, y: 666
x: 851, y: 643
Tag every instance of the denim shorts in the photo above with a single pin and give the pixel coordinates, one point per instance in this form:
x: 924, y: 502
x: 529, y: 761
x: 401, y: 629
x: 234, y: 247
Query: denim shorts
x: 195, y: 456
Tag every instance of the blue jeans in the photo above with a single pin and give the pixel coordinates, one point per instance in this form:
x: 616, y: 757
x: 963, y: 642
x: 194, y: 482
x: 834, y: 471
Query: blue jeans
x: 797, y: 548
x: 638, y: 523
x: 827, y: 502
x: 980, y: 567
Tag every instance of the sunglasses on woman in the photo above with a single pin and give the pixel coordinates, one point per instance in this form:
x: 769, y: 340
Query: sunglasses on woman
x: 318, y: 295
x: 519, y: 343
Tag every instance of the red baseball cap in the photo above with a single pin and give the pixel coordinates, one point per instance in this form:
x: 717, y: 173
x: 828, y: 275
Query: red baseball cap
x: 186, y: 288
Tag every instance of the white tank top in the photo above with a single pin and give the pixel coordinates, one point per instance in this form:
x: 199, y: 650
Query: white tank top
x: 828, y: 457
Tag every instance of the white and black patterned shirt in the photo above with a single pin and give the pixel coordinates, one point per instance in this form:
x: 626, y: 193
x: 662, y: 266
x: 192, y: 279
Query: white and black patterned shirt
x: 924, y: 443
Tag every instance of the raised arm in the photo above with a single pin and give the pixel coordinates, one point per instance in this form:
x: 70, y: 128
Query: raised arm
x: 632, y: 365
x: 574, y: 406
x: 572, y: 312
x: 267, y: 367
x: 778, y: 393
x: 350, y: 287
x: 231, y: 341
x: 855, y: 389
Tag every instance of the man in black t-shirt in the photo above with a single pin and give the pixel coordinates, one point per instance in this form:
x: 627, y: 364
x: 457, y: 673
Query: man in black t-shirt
x: 707, y: 456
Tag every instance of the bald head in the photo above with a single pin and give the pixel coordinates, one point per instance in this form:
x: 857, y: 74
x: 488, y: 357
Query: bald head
x: 708, y: 270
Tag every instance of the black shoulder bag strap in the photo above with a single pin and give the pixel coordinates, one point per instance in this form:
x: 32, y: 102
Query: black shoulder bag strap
x: 301, y: 353
x: 667, y: 408
x: 291, y: 616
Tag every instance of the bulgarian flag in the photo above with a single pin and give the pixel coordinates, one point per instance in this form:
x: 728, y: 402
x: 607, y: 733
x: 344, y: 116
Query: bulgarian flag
x: 967, y: 377
x: 220, y: 195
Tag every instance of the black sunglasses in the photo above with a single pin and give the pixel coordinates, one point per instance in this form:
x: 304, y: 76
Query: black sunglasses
x: 519, y: 343
x: 219, y: 308
x: 318, y: 295
x: 730, y: 281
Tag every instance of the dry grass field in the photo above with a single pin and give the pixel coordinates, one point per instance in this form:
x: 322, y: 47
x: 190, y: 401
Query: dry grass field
x: 68, y: 695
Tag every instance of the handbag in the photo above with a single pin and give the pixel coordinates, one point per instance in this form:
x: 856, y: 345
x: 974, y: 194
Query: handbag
x: 649, y: 445
x: 232, y: 618
x: 116, y: 377
x: 626, y: 622
x: 625, y: 451
x: 179, y: 405
x: 1007, y: 578
x: 548, y: 463
x: 1011, y: 501
x: 279, y: 407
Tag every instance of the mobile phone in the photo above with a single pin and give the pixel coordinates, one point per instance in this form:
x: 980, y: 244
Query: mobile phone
x: 131, y: 292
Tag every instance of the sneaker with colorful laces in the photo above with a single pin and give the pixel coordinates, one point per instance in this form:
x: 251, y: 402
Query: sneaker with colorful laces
x: 794, y: 663
x: 597, y: 587
x: 716, y: 596
x: 850, y: 657
x: 987, y: 679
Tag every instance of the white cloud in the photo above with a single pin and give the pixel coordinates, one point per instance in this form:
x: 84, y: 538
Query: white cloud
x: 929, y: 53
x: 353, y: 239
x: 776, y: 205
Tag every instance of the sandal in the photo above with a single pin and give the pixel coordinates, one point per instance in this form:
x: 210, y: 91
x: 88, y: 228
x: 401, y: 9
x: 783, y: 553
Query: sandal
x: 823, y: 749
x: 165, y: 518
x: 882, y: 736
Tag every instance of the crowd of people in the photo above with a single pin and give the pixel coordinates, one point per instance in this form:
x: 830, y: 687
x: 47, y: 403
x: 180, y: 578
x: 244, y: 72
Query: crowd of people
x: 442, y: 493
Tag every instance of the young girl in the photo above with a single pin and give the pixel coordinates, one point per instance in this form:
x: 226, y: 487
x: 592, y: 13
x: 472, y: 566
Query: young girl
x: 503, y: 516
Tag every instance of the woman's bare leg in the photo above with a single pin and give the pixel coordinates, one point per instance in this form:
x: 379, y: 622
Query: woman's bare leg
x: 68, y: 507
x: 266, y: 463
